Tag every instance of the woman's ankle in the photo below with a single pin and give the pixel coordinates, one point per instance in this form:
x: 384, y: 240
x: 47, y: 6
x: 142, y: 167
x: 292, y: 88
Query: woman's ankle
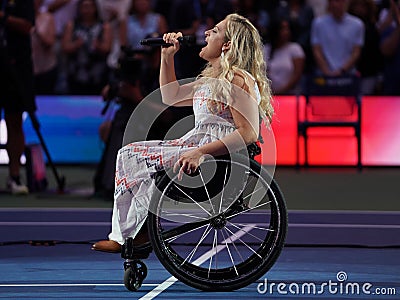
x: 141, y: 238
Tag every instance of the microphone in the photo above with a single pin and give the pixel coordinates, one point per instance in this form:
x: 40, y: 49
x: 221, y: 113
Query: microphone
x: 156, y: 42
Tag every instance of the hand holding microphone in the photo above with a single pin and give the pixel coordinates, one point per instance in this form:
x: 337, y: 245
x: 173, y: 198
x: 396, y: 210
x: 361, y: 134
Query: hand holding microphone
x: 169, y: 40
x: 172, y: 43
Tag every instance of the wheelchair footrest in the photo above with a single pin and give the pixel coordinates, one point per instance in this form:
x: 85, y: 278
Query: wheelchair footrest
x: 131, y: 251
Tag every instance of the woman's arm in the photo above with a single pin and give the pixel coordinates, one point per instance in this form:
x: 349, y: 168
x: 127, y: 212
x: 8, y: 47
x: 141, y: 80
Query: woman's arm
x: 104, y: 45
x: 45, y: 29
x: 320, y: 60
x: 56, y: 5
x: 351, y: 62
x: 17, y: 24
x: 244, y: 109
x: 171, y: 91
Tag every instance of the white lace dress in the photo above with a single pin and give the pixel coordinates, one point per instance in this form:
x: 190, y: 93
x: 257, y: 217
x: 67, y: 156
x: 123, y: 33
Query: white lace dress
x: 137, y: 162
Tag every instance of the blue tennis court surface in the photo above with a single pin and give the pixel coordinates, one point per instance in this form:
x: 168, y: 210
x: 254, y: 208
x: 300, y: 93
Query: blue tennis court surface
x: 69, y: 269
x: 76, y: 272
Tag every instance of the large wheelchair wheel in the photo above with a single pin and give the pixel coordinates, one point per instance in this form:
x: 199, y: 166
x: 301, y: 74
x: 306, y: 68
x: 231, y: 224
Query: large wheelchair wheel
x: 220, y: 229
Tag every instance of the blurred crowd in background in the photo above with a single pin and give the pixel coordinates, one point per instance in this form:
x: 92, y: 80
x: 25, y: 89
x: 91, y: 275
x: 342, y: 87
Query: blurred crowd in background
x: 92, y: 47
x: 77, y: 44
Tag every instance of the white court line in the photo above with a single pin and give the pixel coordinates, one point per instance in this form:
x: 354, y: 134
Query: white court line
x: 170, y: 281
x: 68, y: 284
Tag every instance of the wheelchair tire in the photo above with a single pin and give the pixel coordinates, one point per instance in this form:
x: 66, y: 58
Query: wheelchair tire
x: 189, y: 231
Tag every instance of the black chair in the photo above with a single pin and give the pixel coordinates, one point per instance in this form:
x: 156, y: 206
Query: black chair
x: 337, y: 104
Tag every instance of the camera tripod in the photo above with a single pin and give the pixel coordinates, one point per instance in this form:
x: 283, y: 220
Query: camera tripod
x: 36, y: 126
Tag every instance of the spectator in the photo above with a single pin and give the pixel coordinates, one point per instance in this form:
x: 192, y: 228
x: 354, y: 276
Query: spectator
x: 141, y: 22
x: 385, y: 18
x: 111, y: 10
x: 390, y: 47
x: 114, y: 12
x: 63, y: 12
x: 285, y: 59
x: 370, y: 64
x: 336, y: 39
x: 87, y: 42
x: 17, y: 19
x: 44, y: 56
x: 301, y: 16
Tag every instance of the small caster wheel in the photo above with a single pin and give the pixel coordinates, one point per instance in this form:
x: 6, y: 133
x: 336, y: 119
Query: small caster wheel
x: 135, y: 273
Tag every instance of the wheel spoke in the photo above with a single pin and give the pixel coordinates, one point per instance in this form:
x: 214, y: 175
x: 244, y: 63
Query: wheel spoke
x: 215, y: 241
x: 253, y: 192
x: 244, y: 243
x: 223, y: 189
x: 237, y: 227
x: 171, y: 239
x: 229, y: 252
x: 195, y: 202
x: 205, y: 188
x: 216, y: 250
x: 234, y: 245
x: 252, y: 226
x: 249, y: 209
x: 167, y: 213
x: 192, y: 253
x: 246, y: 198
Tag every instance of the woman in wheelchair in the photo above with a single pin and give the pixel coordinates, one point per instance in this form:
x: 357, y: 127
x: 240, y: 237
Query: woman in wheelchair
x: 229, y: 98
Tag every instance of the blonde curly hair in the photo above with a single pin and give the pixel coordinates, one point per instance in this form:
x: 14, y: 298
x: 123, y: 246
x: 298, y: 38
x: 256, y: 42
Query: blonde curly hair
x: 245, y: 54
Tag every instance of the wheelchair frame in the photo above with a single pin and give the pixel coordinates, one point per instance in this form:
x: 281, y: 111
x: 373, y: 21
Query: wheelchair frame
x: 214, y: 208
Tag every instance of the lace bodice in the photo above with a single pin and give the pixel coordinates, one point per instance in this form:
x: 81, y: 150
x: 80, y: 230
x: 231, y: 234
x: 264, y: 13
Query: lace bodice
x: 201, y: 110
x: 202, y: 113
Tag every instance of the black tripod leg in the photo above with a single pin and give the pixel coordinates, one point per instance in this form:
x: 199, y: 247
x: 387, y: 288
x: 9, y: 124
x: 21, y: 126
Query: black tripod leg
x: 36, y: 126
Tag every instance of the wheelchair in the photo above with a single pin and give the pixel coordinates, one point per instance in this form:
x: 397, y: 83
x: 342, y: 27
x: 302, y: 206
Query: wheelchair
x: 219, y: 229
